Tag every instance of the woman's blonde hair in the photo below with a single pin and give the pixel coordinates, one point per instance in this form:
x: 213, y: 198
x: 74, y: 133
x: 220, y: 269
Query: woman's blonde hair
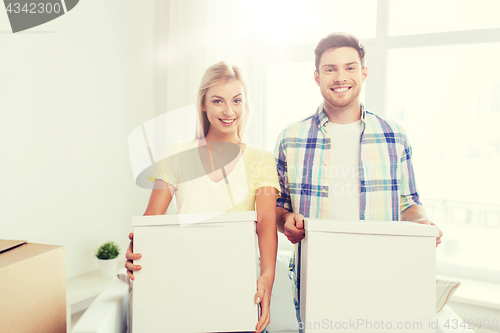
x: 215, y: 74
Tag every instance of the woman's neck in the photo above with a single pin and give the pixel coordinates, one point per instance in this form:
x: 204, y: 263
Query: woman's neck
x: 212, y: 137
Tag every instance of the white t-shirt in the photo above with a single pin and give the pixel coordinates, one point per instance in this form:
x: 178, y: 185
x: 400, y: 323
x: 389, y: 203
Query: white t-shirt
x: 195, y: 192
x: 344, y: 195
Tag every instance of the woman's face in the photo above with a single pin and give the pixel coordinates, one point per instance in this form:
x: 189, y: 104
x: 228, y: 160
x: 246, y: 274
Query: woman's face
x: 225, y: 107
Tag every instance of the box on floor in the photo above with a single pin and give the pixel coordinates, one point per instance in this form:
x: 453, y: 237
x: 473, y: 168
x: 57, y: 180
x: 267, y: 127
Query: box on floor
x: 32, y: 287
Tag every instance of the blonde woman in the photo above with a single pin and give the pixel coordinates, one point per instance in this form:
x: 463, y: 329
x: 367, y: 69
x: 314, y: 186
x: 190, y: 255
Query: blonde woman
x: 218, y: 172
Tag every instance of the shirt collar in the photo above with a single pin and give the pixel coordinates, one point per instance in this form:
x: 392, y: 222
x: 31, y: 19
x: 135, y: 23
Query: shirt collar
x: 322, y: 119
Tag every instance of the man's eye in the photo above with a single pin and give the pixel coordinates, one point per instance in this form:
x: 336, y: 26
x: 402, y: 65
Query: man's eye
x: 329, y: 70
x: 351, y: 68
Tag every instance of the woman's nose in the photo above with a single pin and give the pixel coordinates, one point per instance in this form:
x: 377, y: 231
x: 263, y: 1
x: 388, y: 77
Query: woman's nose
x: 228, y: 111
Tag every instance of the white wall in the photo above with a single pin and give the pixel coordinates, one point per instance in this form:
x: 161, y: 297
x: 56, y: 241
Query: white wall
x: 71, y: 91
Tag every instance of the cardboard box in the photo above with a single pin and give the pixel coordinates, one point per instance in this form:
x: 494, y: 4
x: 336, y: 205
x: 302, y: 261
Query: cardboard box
x: 361, y: 276
x: 199, y: 273
x: 32, y: 287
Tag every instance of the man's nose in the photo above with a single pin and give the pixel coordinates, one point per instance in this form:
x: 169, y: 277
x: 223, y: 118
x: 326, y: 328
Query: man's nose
x: 340, y: 77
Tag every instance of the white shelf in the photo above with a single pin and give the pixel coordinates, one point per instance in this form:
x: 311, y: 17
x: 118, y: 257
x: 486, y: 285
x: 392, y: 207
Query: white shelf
x: 84, y: 287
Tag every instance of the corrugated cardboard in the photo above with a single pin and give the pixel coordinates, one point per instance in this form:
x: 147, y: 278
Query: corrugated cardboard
x: 32, y: 288
x: 199, y: 273
x: 360, y: 276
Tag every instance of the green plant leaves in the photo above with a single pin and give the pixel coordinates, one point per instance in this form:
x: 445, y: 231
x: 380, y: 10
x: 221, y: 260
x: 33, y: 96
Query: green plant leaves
x: 109, y: 250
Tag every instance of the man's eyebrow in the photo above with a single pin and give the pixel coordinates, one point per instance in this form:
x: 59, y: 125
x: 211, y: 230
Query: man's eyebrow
x: 348, y: 64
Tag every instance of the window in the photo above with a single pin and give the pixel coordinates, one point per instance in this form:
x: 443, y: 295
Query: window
x: 298, y: 21
x: 448, y: 106
x: 438, y: 79
x: 408, y: 17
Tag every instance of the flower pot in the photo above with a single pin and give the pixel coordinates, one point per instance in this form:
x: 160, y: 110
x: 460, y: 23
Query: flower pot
x: 108, y: 267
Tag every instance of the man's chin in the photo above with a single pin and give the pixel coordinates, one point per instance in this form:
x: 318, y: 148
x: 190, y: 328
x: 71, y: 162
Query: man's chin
x: 342, y: 103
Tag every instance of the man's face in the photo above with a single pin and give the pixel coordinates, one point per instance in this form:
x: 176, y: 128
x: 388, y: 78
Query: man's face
x: 340, y: 77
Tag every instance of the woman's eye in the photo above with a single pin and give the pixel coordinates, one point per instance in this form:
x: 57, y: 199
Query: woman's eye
x: 217, y: 101
x: 238, y: 101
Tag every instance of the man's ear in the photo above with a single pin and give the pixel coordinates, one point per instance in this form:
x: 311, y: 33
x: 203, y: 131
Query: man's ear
x: 364, y: 74
x: 316, y: 77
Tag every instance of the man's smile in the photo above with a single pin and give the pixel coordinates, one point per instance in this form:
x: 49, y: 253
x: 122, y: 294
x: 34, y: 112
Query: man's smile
x: 341, y: 89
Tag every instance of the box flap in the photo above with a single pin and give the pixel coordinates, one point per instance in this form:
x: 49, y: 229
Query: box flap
x: 25, y: 251
x: 401, y: 228
x: 189, y: 219
x: 6, y: 245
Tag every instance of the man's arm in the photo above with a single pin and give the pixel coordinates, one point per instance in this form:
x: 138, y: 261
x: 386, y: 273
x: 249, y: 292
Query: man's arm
x: 414, y: 214
x: 280, y: 218
x: 410, y: 205
x: 288, y: 223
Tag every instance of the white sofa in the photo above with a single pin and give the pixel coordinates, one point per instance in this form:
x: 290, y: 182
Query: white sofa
x: 108, y: 312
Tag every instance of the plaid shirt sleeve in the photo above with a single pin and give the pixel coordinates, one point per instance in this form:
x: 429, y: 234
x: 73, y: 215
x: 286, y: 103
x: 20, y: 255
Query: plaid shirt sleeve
x: 409, y: 193
x: 281, y: 164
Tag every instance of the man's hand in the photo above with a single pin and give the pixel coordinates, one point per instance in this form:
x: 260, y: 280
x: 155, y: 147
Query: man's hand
x: 417, y: 214
x: 425, y: 221
x: 294, y: 227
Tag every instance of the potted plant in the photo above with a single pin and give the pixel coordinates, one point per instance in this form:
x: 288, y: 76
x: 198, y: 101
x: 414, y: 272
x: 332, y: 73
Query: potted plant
x: 107, y: 254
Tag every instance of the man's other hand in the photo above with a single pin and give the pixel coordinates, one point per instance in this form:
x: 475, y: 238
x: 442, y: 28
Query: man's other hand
x: 294, y: 227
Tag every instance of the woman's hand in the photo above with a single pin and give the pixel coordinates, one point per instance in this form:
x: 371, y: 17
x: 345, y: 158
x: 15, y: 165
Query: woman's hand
x: 263, y: 297
x: 265, y: 203
x: 160, y: 199
x: 129, y: 265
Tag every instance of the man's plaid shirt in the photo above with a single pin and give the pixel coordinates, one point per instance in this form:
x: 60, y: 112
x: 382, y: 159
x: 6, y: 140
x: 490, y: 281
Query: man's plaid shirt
x: 303, y: 160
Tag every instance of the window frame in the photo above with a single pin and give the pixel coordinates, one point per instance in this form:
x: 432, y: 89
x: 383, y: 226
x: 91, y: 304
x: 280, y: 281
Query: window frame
x: 377, y: 50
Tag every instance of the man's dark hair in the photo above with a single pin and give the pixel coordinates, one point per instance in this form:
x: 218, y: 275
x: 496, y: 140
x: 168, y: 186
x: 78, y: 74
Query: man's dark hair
x: 336, y: 40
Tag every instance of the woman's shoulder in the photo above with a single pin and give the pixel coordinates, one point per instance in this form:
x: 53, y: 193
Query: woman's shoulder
x: 183, y: 145
x: 178, y: 147
x: 258, y: 154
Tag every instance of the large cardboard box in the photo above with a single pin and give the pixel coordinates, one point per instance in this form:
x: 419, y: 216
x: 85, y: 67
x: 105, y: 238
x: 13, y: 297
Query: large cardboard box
x: 360, y: 276
x: 199, y: 273
x: 32, y: 287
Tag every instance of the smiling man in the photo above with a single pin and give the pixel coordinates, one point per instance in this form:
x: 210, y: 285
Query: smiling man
x: 343, y: 162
